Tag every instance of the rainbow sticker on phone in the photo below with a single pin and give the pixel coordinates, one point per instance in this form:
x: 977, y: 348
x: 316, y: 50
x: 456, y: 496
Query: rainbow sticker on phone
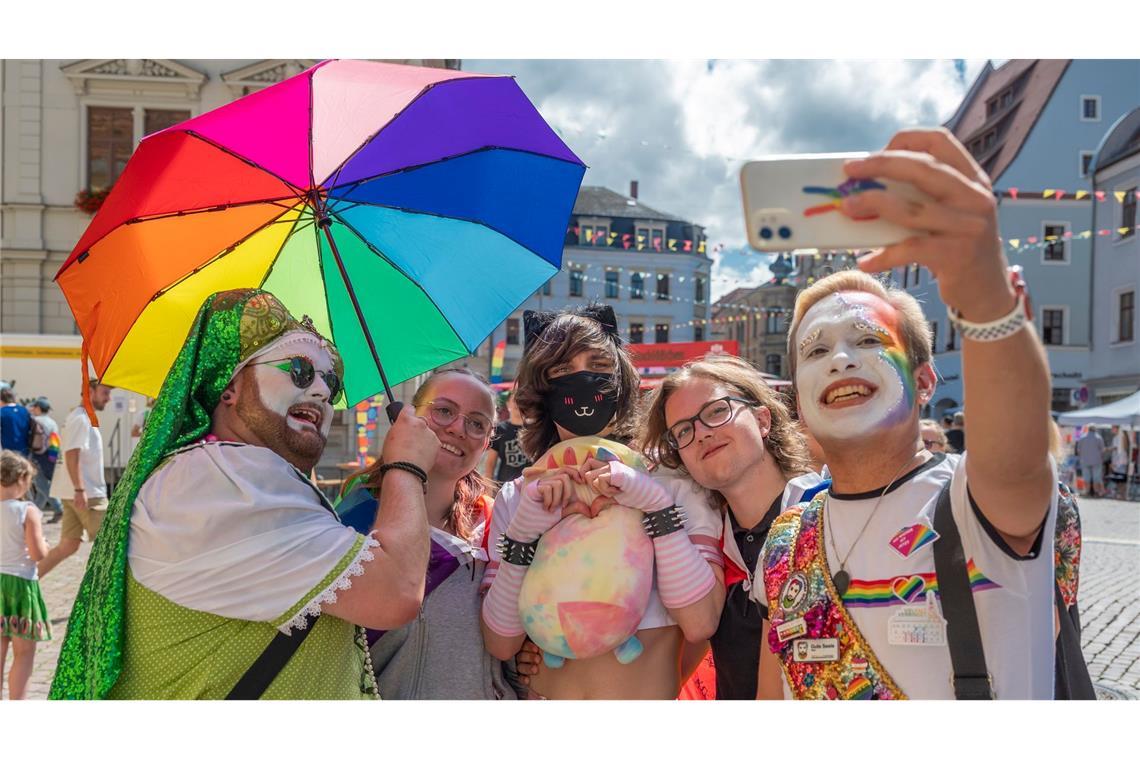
x: 837, y: 194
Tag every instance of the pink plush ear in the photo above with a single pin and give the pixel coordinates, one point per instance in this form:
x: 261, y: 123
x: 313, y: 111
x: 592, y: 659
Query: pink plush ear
x: 551, y: 463
x: 568, y: 457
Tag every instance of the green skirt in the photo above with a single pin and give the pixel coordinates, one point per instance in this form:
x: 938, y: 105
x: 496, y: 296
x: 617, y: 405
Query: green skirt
x: 23, y: 614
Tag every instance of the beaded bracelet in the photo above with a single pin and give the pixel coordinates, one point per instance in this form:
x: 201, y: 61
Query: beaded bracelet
x: 663, y: 521
x: 415, y: 469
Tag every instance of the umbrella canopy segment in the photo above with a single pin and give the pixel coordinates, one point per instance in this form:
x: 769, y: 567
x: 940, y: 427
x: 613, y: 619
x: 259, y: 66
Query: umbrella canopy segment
x: 404, y: 209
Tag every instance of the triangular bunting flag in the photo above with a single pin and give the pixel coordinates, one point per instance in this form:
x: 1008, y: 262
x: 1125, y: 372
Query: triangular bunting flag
x: 1060, y: 194
x: 1047, y: 194
x: 1015, y: 242
x: 1099, y: 195
x: 1013, y: 193
x: 1081, y: 194
x: 1119, y: 196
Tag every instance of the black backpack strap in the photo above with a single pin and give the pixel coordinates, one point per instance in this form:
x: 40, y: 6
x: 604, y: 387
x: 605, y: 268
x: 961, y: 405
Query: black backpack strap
x: 1071, y: 677
x: 271, y: 662
x: 971, y: 678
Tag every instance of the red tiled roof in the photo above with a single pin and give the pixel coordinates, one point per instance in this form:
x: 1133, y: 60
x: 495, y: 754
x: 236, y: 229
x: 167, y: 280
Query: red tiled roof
x: 1033, y: 82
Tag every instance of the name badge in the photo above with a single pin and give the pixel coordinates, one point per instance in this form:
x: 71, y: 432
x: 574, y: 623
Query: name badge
x: 792, y: 629
x: 816, y: 650
x: 917, y: 625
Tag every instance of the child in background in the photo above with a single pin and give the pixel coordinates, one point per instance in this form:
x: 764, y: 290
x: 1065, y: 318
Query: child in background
x: 23, y: 615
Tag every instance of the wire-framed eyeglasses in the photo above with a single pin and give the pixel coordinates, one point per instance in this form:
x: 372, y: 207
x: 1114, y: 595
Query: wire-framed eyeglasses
x: 443, y: 413
x: 715, y: 413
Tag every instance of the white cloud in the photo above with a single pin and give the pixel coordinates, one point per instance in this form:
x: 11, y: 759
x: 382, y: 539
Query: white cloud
x: 683, y: 128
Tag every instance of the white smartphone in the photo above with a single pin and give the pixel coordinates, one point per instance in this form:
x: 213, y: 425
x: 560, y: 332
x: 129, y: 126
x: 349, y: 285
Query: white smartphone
x: 793, y: 202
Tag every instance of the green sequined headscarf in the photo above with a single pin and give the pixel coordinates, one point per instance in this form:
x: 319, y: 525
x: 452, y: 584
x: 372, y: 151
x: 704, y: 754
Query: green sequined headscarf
x: 230, y: 327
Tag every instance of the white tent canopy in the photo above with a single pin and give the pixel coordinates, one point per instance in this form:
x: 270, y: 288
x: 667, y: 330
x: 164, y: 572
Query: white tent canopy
x: 1124, y: 412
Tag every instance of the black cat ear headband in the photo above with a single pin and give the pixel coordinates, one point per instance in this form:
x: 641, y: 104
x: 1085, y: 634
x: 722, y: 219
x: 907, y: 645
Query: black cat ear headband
x: 536, y: 322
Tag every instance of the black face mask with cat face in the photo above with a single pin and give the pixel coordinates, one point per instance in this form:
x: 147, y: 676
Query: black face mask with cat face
x: 582, y: 402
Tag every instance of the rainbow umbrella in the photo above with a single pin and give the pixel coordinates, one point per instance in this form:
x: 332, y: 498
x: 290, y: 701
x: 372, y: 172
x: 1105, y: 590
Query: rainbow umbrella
x: 406, y: 210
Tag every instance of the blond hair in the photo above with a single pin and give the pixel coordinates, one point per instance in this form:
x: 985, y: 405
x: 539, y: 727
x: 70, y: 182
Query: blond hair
x: 913, y: 327
x: 785, y: 442
x: 14, y: 467
x: 933, y: 427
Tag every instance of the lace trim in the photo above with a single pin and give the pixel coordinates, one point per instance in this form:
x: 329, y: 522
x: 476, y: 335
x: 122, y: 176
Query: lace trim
x: 300, y: 621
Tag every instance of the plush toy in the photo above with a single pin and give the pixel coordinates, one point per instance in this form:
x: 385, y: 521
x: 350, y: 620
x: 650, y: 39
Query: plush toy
x: 588, y: 586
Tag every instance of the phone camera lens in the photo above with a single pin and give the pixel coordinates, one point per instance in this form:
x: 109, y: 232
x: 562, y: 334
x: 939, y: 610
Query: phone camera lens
x: 766, y: 233
x: 785, y: 232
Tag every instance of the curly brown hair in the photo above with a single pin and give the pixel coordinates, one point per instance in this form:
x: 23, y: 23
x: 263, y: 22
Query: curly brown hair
x: 566, y: 337
x: 784, y: 440
x: 462, y: 519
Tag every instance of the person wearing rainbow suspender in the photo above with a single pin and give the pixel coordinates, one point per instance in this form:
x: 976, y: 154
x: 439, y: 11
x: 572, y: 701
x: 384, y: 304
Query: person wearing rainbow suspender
x: 854, y: 604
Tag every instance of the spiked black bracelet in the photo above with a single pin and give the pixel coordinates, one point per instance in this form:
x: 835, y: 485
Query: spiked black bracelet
x: 516, y: 552
x: 664, y: 521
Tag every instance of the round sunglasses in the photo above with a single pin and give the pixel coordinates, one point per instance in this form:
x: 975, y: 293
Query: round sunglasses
x: 302, y: 373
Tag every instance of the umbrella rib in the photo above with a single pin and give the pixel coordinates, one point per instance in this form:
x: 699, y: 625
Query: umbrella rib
x: 222, y: 207
x: 300, y: 194
x: 485, y: 148
x: 393, y: 120
x: 174, y: 284
x: 422, y: 212
x: 407, y: 276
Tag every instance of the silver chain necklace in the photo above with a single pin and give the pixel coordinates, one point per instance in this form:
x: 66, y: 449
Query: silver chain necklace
x: 842, y: 579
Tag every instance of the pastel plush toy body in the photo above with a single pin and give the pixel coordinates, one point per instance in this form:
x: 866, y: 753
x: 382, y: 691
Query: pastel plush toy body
x: 589, y: 584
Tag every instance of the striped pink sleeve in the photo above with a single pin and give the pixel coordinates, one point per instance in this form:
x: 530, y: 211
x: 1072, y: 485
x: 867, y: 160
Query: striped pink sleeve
x: 683, y: 573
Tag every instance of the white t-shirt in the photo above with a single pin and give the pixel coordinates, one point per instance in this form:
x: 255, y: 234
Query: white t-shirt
x: 236, y: 531
x: 702, y: 523
x: 1120, y: 453
x: 1013, y: 597
x: 14, y: 557
x: 79, y: 433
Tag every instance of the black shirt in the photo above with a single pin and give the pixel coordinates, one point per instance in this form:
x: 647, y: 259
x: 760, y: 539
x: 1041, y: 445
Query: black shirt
x: 512, y: 460
x: 736, y: 643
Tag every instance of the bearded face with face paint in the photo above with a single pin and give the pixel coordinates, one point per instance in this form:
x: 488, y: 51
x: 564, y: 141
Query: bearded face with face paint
x: 853, y: 378
x: 271, y: 410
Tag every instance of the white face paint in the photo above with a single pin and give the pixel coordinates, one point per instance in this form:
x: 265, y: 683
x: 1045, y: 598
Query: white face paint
x: 852, y: 375
x: 301, y: 407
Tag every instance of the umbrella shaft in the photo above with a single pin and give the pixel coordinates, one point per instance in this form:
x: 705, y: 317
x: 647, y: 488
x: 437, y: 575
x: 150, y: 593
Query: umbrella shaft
x: 359, y: 311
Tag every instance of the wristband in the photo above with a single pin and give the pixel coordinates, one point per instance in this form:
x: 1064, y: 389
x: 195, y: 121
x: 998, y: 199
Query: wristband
x: 516, y: 552
x: 415, y: 469
x: 663, y: 521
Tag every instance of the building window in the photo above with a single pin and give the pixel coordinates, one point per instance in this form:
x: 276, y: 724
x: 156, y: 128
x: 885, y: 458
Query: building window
x: 513, y: 331
x: 915, y: 270
x: 636, y: 332
x: 951, y: 337
x: 933, y: 337
x: 772, y: 323
x: 1126, y: 316
x: 1056, y: 247
x: 755, y: 325
x: 1085, y: 162
x: 740, y: 333
x: 546, y: 287
x: 1053, y: 327
x: 1090, y: 108
x: 772, y: 364
x: 594, y: 234
x: 110, y: 141
x: 662, y: 331
x: 1127, y: 215
x: 906, y: 277
x: 657, y: 240
x: 662, y: 287
x: 699, y: 290
x: 636, y: 286
x: 611, y: 284
x: 156, y: 120
x: 699, y: 333
x: 577, y: 276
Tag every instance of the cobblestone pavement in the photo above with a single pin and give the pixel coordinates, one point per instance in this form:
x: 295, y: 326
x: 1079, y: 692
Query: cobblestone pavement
x: 1109, y: 595
x: 1109, y: 599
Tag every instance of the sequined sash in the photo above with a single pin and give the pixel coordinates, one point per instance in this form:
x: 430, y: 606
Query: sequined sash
x: 798, y: 587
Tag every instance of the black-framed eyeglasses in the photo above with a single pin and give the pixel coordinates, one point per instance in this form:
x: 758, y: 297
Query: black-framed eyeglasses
x: 715, y: 413
x: 302, y: 373
x: 444, y: 413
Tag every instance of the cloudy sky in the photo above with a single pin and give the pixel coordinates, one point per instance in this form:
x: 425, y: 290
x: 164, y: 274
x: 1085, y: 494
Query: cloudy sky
x: 683, y: 128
